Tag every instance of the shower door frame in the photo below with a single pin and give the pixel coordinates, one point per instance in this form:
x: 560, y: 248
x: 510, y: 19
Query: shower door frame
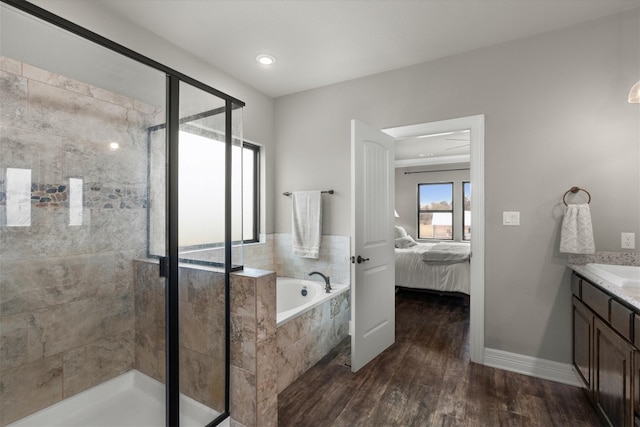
x: 169, y: 265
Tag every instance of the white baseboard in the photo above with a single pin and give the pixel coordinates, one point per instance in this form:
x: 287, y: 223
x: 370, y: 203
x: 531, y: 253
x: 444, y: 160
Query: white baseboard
x: 532, y: 366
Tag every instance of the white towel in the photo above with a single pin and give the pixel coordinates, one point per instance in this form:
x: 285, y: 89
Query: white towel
x: 306, y: 217
x: 576, y: 236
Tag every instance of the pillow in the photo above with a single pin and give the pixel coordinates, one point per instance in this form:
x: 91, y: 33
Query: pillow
x: 400, y: 232
x: 405, y: 242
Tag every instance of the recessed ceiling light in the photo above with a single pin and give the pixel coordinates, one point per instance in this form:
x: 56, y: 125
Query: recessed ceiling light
x: 266, y: 59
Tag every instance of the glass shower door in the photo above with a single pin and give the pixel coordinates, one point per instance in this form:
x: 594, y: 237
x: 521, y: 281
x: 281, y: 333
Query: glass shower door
x: 102, y: 152
x: 202, y: 247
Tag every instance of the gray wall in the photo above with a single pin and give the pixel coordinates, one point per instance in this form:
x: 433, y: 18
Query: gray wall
x: 556, y: 116
x: 407, y: 193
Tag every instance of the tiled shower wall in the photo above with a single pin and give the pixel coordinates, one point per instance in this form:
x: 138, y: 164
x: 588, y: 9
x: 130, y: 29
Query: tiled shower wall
x: 67, y: 302
x: 202, y: 329
x: 253, y: 385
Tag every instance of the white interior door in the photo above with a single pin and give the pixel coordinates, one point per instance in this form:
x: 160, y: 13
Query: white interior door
x: 372, y: 243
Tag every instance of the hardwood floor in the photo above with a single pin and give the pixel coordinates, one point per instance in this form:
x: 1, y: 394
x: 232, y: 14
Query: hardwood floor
x: 426, y: 379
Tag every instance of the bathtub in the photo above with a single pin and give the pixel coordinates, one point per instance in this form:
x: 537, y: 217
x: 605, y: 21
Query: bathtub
x: 290, y: 301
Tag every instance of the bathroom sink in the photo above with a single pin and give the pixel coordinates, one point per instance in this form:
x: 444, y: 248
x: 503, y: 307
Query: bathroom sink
x: 625, y: 276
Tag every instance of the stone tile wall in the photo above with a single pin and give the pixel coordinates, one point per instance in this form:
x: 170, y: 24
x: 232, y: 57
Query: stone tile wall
x: 306, y: 339
x: 202, y: 329
x: 253, y: 255
x: 334, y: 259
x: 66, y: 292
x: 274, y: 253
x: 254, y: 399
x: 266, y: 359
x: 260, y: 255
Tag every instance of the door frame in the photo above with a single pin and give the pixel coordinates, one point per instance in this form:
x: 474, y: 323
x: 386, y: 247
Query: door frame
x: 476, y: 125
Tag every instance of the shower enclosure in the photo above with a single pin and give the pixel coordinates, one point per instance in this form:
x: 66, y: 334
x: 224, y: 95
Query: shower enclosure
x: 120, y: 222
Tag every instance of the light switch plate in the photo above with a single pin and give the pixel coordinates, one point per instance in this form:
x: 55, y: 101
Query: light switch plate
x: 510, y: 218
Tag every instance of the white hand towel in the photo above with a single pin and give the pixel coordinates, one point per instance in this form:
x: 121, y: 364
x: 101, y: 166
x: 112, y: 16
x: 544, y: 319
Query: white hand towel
x: 576, y: 235
x: 306, y: 217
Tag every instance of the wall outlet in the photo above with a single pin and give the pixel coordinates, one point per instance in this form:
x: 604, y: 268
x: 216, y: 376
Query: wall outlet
x: 628, y: 240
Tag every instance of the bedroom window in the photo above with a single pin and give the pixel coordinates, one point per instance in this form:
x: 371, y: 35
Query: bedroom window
x: 466, y: 217
x: 435, y: 211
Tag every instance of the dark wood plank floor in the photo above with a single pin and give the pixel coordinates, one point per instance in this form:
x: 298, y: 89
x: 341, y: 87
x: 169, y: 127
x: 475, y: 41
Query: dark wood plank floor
x: 426, y: 379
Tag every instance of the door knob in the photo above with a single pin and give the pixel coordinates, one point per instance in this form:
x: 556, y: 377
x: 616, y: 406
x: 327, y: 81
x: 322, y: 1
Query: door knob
x: 360, y: 260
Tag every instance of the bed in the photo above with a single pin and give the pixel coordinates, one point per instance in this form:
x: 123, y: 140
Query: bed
x: 442, y: 266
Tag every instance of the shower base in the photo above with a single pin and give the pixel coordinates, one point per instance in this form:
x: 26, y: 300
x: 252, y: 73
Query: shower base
x: 132, y: 399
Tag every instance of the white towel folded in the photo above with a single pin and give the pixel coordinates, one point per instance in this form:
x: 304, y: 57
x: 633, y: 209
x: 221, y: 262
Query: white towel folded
x: 576, y: 235
x: 306, y: 218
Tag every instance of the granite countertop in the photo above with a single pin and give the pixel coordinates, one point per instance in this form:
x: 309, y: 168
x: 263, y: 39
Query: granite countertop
x: 628, y: 295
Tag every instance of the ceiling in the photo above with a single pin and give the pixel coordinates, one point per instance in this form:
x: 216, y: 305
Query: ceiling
x: 320, y: 42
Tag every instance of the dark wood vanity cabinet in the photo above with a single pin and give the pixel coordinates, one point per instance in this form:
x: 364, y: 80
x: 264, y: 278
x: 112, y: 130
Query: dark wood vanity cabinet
x: 613, y: 361
x: 604, y: 354
x: 583, y: 342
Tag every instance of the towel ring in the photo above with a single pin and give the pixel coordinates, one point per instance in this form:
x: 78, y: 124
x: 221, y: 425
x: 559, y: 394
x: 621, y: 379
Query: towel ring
x: 575, y: 190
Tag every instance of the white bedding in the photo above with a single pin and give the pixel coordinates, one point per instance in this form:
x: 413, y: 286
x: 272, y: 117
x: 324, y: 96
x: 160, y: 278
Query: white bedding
x: 413, y: 272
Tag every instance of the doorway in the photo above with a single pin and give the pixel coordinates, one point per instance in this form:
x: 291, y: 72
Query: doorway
x: 475, y: 125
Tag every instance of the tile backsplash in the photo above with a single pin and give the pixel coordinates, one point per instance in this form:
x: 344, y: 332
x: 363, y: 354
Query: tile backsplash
x: 274, y: 253
x: 604, y: 257
x: 333, y: 261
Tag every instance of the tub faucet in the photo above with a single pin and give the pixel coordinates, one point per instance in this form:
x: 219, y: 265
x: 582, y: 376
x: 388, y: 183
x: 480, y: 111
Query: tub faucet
x: 327, y: 284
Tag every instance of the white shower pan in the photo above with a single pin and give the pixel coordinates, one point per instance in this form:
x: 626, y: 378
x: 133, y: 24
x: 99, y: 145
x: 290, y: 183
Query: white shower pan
x: 625, y: 276
x: 132, y: 399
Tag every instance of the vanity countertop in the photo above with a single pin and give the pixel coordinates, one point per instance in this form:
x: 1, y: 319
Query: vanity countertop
x: 629, y: 295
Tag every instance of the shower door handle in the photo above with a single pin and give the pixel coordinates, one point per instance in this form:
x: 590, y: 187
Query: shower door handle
x: 164, y: 266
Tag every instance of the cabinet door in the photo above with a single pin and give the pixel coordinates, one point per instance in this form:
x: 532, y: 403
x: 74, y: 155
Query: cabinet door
x: 582, y: 345
x: 636, y: 383
x: 613, y: 368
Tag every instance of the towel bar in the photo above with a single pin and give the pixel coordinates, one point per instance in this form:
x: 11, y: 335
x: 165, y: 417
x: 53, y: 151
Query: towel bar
x: 575, y: 190
x: 287, y: 193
